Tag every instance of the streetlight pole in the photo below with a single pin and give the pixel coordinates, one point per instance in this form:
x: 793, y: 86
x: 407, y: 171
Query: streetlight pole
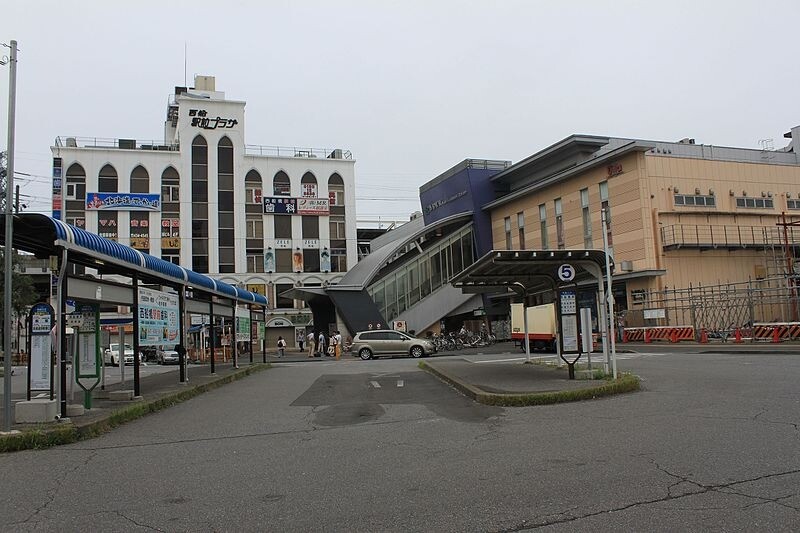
x: 610, y: 326
x: 12, y: 97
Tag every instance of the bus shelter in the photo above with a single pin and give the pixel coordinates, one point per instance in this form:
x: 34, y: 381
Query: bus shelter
x: 100, y: 273
x: 559, y: 272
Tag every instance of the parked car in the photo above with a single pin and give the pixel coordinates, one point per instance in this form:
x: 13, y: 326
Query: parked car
x: 368, y: 344
x: 167, y: 357
x: 111, y: 355
x: 148, y: 353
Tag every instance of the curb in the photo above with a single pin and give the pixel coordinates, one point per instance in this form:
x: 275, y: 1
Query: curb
x: 625, y: 383
x: 47, y: 436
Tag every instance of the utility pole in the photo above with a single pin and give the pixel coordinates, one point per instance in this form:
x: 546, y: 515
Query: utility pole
x: 12, y: 97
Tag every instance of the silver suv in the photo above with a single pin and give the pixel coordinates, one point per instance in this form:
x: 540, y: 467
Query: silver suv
x: 367, y: 344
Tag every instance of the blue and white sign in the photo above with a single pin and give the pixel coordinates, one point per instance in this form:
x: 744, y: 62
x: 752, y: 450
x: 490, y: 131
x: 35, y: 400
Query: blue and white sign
x: 122, y: 201
x: 280, y: 206
x: 566, y: 272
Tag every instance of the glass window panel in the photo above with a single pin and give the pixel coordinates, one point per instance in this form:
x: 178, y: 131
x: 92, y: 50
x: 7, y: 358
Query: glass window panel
x: 283, y: 226
x: 283, y: 260
x: 458, y: 264
x: 466, y: 248
x: 310, y: 227
x: 311, y: 260
x: 391, y: 299
x: 281, y: 302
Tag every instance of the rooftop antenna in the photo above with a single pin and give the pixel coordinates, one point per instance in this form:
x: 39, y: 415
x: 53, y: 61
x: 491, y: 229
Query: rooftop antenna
x: 184, y: 64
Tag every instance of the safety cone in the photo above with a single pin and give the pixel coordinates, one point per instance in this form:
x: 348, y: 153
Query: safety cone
x: 738, y: 336
x: 776, y: 334
x: 647, y: 336
x: 703, y: 336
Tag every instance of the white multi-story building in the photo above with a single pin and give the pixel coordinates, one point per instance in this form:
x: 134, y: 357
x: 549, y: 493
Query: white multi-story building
x: 266, y: 218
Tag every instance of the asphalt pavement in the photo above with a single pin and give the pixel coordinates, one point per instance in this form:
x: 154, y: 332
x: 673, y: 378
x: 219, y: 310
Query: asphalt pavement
x: 708, y: 444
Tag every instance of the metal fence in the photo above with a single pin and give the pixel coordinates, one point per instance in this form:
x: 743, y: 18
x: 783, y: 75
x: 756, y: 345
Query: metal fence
x: 717, y: 308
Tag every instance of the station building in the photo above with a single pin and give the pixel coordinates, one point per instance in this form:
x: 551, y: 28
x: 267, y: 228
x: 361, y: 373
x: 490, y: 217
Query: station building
x: 682, y: 217
x: 700, y: 235
x: 264, y: 218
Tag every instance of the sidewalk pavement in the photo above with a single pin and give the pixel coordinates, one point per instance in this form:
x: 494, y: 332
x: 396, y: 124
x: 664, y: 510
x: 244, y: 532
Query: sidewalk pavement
x: 157, y: 391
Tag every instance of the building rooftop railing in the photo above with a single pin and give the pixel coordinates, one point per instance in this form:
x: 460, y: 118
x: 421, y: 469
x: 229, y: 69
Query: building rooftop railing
x: 250, y: 149
x: 709, y: 236
x: 118, y: 144
x: 295, y: 151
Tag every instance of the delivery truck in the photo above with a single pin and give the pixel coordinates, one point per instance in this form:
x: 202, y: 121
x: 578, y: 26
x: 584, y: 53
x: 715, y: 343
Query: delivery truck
x: 541, y: 326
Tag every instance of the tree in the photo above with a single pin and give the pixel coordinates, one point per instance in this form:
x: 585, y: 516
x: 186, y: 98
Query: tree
x: 23, y: 294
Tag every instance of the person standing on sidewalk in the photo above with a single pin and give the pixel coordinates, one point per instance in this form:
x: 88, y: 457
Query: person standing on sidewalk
x: 281, y: 346
x: 321, y: 344
x: 301, y: 338
x: 310, y: 341
x: 337, y: 347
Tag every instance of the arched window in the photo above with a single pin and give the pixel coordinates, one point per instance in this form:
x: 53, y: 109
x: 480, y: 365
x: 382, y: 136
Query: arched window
x: 281, y: 186
x: 225, y: 218
x: 107, y: 179
x: 252, y: 188
x: 337, y: 225
x: 200, y: 234
x: 140, y: 180
x: 75, y: 183
x: 336, y: 190
x: 308, y: 186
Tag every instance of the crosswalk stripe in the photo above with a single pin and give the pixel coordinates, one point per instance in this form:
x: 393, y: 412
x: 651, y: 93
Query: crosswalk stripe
x: 375, y: 384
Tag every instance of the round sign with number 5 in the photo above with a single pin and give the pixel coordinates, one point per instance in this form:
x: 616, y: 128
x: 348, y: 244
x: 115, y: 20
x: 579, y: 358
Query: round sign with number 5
x: 566, y: 272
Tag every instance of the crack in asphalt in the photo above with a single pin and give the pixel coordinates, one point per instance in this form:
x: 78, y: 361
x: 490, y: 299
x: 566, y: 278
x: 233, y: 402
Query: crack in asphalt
x: 131, y: 520
x: 526, y: 525
x: 59, y: 482
x: 251, y: 435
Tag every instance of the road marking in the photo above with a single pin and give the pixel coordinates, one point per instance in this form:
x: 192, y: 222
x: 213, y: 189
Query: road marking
x: 399, y: 382
x: 375, y: 384
x: 502, y: 360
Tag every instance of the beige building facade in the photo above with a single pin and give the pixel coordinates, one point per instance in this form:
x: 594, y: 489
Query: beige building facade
x: 681, y: 215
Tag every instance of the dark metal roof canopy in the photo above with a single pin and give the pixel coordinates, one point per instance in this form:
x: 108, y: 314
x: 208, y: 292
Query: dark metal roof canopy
x: 528, y: 271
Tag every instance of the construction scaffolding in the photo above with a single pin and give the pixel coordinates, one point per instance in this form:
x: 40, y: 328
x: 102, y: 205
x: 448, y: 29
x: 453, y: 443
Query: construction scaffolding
x: 771, y: 297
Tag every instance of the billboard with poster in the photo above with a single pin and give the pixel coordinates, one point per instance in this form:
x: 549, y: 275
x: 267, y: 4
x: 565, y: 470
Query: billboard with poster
x: 158, y: 318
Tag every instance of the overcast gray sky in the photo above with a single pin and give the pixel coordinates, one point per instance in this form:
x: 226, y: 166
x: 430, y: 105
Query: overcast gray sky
x: 411, y: 87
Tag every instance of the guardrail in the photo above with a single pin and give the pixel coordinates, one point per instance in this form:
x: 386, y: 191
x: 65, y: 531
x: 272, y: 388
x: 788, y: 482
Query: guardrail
x: 722, y: 236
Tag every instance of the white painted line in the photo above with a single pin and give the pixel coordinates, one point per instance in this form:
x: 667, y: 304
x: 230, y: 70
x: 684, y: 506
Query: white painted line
x: 375, y: 384
x: 399, y: 382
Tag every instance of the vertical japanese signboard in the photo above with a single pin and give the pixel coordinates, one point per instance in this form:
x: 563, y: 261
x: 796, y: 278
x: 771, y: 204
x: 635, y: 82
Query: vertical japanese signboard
x: 158, y: 318
x: 40, y: 362
x: 87, y: 364
x: 242, y: 325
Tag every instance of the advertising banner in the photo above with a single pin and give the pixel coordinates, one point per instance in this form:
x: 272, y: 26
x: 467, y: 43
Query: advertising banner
x: 158, y: 318
x: 242, y: 325
x: 280, y: 205
x: 313, y: 206
x: 122, y: 201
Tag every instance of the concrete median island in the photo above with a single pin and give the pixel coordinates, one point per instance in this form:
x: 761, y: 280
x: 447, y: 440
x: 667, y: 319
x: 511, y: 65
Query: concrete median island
x: 524, y: 385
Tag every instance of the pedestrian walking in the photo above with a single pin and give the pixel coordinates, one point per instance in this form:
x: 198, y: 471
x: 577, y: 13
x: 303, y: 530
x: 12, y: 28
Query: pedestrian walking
x: 334, y: 345
x: 281, y: 346
x: 310, y: 342
x: 321, y: 344
x: 338, y: 345
x: 301, y: 338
